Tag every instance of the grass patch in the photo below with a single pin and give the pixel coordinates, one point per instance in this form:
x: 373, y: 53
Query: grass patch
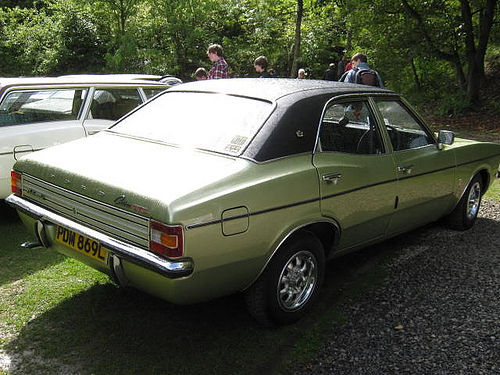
x: 494, y: 191
x: 59, y: 316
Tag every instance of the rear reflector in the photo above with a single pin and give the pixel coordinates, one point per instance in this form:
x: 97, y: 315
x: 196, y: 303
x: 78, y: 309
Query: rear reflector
x: 16, y: 182
x: 166, y: 240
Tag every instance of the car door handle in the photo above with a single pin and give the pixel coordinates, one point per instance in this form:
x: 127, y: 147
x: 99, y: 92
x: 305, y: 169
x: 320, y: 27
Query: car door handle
x: 21, y: 150
x: 331, y: 177
x: 92, y: 132
x: 405, y: 169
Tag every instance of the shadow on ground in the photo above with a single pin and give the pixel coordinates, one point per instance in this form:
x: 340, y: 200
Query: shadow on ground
x: 17, y: 262
x: 106, y: 330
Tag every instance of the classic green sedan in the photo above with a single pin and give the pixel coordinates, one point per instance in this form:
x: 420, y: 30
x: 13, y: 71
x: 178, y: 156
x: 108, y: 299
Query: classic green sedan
x: 248, y: 185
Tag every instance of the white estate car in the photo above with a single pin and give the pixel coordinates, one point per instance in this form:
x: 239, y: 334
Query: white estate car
x: 36, y: 113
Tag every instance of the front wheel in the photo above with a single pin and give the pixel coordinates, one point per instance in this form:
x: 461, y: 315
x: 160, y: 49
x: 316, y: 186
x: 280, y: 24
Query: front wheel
x: 465, y: 213
x: 288, y: 287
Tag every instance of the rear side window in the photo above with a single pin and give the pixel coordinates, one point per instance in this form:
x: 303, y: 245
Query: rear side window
x: 350, y: 127
x: 111, y: 104
x: 150, y: 92
x: 28, y: 106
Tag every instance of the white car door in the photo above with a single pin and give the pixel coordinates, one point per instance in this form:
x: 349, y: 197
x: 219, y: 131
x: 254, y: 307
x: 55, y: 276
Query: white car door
x: 108, y: 104
x: 31, y: 120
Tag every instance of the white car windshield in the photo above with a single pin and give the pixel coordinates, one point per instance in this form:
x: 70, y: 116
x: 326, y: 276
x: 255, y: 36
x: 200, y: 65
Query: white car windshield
x: 214, y: 122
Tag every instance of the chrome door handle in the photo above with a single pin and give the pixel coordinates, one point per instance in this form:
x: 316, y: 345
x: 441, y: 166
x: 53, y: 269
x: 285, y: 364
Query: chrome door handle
x: 405, y: 169
x: 331, y: 177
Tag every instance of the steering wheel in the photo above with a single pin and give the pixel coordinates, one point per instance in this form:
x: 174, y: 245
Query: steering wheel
x: 360, y: 142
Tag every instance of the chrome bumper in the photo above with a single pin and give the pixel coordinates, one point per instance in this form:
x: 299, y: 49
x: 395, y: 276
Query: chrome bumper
x: 120, y: 249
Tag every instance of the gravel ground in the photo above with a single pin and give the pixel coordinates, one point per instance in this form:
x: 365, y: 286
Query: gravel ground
x: 438, y: 312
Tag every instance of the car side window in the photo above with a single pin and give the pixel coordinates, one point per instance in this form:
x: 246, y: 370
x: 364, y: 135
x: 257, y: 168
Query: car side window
x: 28, y: 106
x: 404, y: 130
x: 350, y: 127
x: 150, y: 92
x: 111, y: 104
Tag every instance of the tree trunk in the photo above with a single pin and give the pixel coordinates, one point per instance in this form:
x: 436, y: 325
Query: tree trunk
x: 475, y: 55
x: 452, y: 57
x: 296, y: 48
x: 415, y: 75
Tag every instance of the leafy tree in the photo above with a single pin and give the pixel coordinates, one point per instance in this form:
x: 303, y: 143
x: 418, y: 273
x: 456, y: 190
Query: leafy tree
x: 323, y: 37
x: 179, y: 30
x: 419, y: 34
x: 30, y: 42
x: 421, y: 48
x: 81, y: 49
x: 39, y: 4
x: 120, y: 11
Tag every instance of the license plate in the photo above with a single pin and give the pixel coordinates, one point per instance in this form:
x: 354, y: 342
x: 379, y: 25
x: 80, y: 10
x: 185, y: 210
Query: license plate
x: 81, y: 244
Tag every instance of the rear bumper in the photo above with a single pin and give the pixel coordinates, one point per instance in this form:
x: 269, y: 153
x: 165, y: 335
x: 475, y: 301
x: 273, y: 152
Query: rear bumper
x: 120, y: 249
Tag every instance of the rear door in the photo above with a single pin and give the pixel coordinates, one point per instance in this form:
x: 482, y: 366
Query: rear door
x: 108, y: 104
x: 357, y: 175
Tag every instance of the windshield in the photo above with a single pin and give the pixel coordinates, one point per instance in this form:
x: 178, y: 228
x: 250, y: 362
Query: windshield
x: 214, y: 122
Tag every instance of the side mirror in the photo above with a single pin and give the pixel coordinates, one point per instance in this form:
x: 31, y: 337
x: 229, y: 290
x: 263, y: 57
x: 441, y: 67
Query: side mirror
x: 445, y: 137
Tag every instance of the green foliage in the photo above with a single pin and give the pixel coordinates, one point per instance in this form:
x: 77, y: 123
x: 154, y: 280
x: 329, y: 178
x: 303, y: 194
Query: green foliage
x: 30, y: 42
x: 81, y: 49
x: 324, y: 31
x: 418, y: 47
x: 125, y: 58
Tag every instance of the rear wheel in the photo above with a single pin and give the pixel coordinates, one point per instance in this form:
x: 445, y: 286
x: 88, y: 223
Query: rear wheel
x: 290, y: 284
x: 465, y: 214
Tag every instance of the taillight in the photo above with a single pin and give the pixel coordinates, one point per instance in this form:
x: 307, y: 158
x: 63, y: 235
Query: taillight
x: 167, y: 240
x: 16, y: 182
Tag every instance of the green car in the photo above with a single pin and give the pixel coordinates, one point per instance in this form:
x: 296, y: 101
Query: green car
x: 248, y: 185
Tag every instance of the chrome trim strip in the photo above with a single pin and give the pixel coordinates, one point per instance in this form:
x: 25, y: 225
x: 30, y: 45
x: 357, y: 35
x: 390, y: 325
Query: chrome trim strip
x: 112, y: 221
x: 265, y: 211
x: 19, y: 152
x: 133, y: 254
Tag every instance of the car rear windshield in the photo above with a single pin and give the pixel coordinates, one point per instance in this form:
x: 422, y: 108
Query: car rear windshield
x: 214, y: 122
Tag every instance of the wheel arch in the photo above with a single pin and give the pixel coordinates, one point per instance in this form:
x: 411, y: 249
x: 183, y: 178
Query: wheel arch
x: 485, y: 179
x: 484, y: 174
x: 327, y: 232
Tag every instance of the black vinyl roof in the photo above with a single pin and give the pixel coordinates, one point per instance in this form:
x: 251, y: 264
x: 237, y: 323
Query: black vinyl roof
x: 273, y: 89
x: 292, y: 127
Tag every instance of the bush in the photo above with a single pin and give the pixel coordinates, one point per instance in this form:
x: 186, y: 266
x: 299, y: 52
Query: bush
x: 453, y: 104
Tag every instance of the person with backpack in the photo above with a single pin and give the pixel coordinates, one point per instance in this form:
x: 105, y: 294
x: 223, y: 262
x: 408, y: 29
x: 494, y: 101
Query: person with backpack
x: 330, y: 73
x: 361, y: 73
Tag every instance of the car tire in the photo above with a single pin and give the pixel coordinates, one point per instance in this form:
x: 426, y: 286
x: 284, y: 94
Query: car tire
x: 465, y: 213
x: 291, y: 282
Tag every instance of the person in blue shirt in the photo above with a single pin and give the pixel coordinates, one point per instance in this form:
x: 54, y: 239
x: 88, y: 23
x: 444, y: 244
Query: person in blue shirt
x: 359, y: 61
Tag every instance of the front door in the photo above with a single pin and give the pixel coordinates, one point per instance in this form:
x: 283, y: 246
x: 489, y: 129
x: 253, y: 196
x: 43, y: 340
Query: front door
x: 425, y: 173
x: 357, y: 176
